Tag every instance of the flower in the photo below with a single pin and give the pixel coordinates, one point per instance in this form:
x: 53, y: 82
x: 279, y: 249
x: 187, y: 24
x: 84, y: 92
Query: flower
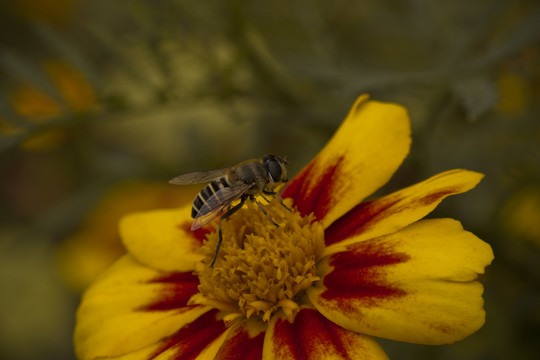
x: 35, y: 106
x: 336, y: 273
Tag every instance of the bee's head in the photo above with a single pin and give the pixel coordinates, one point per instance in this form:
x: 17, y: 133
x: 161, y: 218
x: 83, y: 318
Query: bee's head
x: 275, y: 166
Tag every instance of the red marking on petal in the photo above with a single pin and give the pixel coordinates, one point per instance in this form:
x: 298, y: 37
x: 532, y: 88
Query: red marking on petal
x: 189, y: 341
x: 366, y: 214
x: 199, y: 234
x: 294, y: 187
x: 355, y: 221
x: 176, y: 277
x: 313, y: 192
x: 359, y: 274
x: 434, y: 197
x: 287, y: 339
x: 242, y: 346
x: 309, y: 334
x: 202, y: 233
x: 177, y: 289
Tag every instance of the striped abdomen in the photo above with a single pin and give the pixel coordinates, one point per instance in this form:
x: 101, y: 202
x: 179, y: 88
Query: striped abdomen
x: 206, y: 193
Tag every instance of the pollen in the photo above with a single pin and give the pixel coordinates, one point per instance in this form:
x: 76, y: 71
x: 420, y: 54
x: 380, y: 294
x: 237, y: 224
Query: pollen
x: 261, y: 268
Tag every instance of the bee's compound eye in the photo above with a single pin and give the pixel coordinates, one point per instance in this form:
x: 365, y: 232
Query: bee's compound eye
x: 274, y: 169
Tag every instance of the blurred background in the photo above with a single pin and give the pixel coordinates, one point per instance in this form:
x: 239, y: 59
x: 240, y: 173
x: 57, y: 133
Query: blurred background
x: 102, y: 102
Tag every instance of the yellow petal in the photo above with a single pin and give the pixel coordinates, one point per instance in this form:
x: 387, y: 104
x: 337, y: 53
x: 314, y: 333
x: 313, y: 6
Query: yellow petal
x: 162, y: 239
x: 395, y: 211
x: 415, y: 285
x: 312, y: 336
x: 362, y: 155
x: 97, y: 245
x: 132, y: 306
x: 200, y: 339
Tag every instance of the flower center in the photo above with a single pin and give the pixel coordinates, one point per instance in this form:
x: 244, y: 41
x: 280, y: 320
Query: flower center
x: 261, y: 268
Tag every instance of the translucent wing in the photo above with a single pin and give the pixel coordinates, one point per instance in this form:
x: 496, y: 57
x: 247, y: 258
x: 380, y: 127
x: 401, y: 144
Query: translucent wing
x: 216, y: 204
x: 199, y: 177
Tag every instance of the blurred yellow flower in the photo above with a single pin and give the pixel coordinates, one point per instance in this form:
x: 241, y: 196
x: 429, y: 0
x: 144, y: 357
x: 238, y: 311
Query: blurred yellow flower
x: 515, y: 93
x: 34, y: 105
x: 31, y: 102
x: 97, y: 243
x: 521, y: 215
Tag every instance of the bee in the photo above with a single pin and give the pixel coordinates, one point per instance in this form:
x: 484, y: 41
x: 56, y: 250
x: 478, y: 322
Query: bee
x: 241, y: 182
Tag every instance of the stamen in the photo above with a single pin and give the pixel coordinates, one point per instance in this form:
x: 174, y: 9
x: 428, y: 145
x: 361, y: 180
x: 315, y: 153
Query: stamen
x: 261, y: 268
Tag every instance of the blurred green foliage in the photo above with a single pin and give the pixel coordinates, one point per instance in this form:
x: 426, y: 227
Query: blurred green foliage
x: 97, y: 92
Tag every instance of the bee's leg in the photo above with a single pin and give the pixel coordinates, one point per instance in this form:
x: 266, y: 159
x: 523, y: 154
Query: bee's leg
x: 281, y: 200
x: 264, y: 211
x: 228, y: 213
x: 268, y: 201
x: 278, y: 194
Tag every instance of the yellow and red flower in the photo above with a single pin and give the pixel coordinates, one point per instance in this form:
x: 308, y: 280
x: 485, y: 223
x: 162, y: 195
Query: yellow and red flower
x: 336, y: 273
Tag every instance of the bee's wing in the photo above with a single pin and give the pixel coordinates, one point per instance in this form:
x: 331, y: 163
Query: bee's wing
x: 216, y: 205
x: 199, y: 177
